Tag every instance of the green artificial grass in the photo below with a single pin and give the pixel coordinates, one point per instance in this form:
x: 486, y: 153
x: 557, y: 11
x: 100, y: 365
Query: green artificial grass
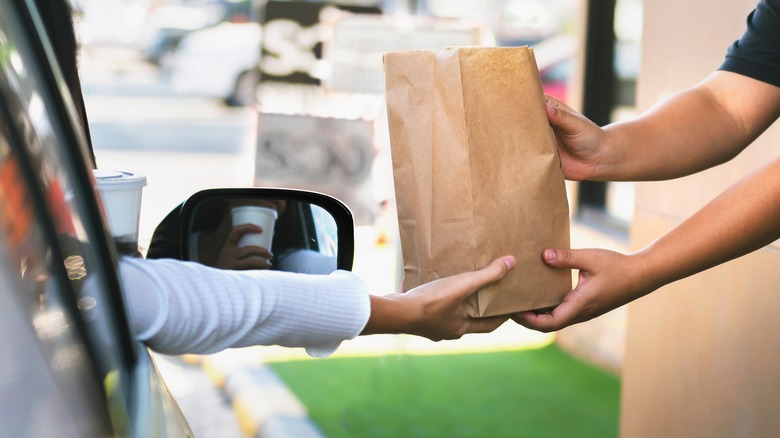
x: 525, y: 393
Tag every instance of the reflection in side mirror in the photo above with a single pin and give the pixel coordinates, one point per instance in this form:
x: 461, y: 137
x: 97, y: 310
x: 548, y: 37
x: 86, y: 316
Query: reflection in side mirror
x: 257, y: 228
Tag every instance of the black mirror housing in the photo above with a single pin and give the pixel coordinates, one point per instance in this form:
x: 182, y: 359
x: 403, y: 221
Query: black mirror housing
x: 312, y: 232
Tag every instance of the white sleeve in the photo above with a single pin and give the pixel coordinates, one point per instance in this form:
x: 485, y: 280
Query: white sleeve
x: 181, y: 307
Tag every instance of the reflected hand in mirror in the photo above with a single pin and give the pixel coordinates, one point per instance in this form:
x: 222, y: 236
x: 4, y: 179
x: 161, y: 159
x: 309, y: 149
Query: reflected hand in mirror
x: 235, y: 233
x: 233, y: 256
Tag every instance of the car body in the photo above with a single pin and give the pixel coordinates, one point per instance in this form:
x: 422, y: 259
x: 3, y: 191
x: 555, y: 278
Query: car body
x: 69, y: 363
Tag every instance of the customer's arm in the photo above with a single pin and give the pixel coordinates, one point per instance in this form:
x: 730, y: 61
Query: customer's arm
x: 183, y: 307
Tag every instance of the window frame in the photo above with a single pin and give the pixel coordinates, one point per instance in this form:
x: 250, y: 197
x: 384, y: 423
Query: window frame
x: 73, y: 153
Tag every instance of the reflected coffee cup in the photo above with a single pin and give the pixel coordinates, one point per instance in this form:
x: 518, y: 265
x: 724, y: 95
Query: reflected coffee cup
x: 264, y: 217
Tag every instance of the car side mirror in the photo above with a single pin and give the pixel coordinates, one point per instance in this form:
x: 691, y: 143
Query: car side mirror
x: 259, y: 228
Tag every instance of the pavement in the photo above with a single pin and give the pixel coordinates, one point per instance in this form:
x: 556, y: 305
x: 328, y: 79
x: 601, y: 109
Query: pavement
x: 234, y: 402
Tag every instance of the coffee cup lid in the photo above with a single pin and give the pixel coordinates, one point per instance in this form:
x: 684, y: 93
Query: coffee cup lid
x: 255, y: 208
x: 118, y: 180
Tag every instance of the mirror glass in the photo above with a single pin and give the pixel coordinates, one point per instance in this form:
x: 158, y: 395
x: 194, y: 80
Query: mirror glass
x: 252, y: 232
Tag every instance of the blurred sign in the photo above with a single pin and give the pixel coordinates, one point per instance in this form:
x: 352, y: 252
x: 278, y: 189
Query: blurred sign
x: 328, y: 155
x: 355, y: 50
x: 293, y: 34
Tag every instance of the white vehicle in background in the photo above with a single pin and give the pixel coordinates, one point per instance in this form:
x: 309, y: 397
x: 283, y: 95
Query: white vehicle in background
x: 219, y: 62
x: 167, y: 25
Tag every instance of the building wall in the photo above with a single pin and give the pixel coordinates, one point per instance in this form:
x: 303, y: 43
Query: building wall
x: 702, y: 355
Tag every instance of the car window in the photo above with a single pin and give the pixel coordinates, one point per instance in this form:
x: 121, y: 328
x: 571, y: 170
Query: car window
x: 50, y: 221
x: 327, y: 231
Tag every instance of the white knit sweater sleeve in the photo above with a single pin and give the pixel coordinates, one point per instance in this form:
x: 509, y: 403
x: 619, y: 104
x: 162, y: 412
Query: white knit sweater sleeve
x: 183, y: 307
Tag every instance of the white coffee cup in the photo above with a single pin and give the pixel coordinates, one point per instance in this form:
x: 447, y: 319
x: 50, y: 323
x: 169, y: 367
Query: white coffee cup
x: 264, y: 217
x: 120, y: 193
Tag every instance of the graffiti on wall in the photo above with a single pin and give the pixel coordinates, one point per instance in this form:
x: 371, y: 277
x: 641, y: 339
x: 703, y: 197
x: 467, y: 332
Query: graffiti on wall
x: 329, y: 155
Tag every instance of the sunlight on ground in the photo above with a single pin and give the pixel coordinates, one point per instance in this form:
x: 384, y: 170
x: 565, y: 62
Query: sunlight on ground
x: 509, y: 336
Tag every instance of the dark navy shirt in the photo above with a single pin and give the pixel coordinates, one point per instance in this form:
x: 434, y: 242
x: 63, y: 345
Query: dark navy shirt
x: 757, y: 53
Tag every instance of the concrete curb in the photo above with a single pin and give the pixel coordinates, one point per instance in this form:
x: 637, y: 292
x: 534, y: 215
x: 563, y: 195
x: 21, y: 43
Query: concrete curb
x: 264, y: 405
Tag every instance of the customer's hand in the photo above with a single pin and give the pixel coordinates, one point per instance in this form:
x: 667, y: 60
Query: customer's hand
x: 438, y: 310
x: 580, y: 141
x: 247, y: 257
x: 607, y: 280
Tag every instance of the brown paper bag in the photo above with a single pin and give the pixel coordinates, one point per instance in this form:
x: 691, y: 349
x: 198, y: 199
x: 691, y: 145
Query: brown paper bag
x: 476, y: 172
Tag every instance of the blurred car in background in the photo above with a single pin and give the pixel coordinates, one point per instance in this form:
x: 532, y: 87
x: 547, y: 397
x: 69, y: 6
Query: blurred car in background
x: 219, y: 62
x: 555, y: 57
x: 169, y: 22
x: 167, y: 25
x: 555, y: 78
